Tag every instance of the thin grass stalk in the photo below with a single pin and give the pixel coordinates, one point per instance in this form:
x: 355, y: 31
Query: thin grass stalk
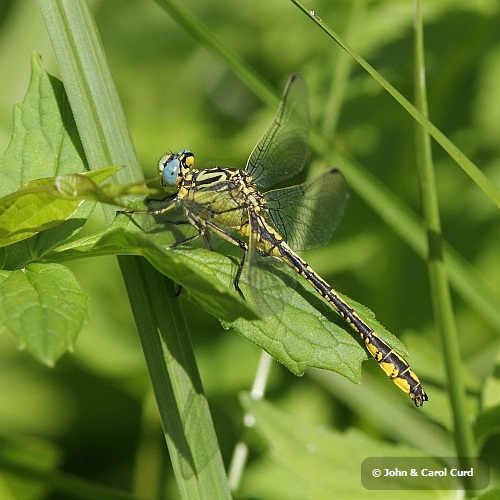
x: 485, y: 184
x: 438, y: 279
x: 240, y: 452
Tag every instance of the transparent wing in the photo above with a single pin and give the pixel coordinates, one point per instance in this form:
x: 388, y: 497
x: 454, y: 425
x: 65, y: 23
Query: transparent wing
x: 284, y: 147
x: 307, y: 214
x: 265, y: 285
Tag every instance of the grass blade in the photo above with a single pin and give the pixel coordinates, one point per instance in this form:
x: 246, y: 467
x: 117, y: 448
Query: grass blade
x: 438, y: 279
x: 102, y: 127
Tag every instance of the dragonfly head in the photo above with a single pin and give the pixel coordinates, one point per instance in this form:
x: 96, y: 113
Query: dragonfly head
x: 173, y: 166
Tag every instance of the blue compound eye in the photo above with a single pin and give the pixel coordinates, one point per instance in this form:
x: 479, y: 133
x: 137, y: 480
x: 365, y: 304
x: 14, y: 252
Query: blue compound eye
x: 169, y: 170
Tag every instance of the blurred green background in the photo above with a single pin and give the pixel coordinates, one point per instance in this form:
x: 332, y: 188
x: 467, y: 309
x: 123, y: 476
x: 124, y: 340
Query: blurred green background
x: 95, y: 406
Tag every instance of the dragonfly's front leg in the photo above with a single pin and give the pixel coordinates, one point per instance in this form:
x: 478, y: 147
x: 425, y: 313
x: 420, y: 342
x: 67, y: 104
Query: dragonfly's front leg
x: 171, y: 203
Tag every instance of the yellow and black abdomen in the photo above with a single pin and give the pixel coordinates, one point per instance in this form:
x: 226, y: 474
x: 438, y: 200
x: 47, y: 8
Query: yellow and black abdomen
x: 393, y: 364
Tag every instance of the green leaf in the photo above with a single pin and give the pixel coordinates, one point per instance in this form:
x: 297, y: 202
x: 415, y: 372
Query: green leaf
x: 44, y: 308
x: 205, y: 276
x: 304, y: 333
x: 85, y: 187
x: 308, y: 333
x: 318, y: 462
x: 44, y: 145
x: 44, y: 203
x: 44, y: 140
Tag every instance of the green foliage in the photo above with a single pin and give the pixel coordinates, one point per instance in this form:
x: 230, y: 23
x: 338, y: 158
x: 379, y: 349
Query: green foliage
x: 44, y: 203
x: 304, y: 452
x: 44, y: 308
x: 176, y: 94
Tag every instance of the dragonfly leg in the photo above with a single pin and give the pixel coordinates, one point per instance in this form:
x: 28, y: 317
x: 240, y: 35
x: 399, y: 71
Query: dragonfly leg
x: 237, y: 242
x: 172, y: 201
x: 208, y: 240
x: 201, y: 232
x: 161, y: 200
x: 200, y: 227
x: 241, y: 265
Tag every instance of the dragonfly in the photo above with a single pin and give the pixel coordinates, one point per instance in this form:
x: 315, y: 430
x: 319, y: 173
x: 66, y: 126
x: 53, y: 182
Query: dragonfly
x: 229, y: 203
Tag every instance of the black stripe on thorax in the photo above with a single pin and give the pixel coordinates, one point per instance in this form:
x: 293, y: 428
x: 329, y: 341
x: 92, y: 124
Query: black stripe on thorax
x: 214, y: 176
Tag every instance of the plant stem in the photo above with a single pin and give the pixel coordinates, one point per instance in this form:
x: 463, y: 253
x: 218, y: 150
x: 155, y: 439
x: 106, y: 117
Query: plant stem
x: 100, y: 119
x: 438, y: 278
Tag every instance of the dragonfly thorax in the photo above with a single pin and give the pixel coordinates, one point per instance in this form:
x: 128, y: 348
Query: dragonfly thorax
x: 220, y: 194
